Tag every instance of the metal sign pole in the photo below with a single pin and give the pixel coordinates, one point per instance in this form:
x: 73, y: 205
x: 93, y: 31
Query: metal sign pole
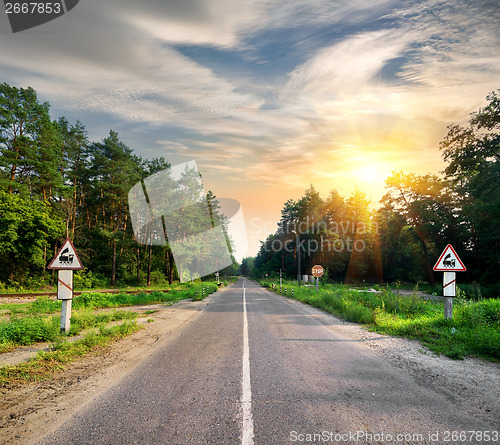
x: 317, y: 272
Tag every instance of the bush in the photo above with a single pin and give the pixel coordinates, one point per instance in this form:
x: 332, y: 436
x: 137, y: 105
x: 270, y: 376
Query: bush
x: 29, y: 330
x: 93, y: 300
x: 483, y: 313
x: 44, y: 305
x: 83, y: 279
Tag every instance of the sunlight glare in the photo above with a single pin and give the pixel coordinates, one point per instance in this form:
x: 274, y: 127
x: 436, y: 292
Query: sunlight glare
x: 370, y: 173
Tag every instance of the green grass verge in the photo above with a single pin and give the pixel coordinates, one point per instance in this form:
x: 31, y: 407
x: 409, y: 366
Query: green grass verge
x: 31, y: 323
x: 474, y: 330
x: 97, y: 300
x: 41, y: 328
x: 45, y: 364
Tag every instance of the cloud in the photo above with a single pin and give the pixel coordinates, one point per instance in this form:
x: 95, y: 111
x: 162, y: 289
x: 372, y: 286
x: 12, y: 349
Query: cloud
x: 361, y: 77
x: 347, y: 66
x: 297, y: 13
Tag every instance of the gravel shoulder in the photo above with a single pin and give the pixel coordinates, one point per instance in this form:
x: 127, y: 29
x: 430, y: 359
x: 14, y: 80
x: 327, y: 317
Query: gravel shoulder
x: 471, y: 381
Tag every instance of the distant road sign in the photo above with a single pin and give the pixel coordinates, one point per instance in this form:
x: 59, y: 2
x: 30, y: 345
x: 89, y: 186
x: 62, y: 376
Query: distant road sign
x: 449, y: 261
x: 318, y: 271
x: 66, y: 258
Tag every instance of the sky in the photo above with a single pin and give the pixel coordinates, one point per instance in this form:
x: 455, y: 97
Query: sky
x: 267, y: 96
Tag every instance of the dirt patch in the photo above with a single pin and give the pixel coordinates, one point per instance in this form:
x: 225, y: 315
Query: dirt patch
x: 28, y: 410
x: 420, y: 294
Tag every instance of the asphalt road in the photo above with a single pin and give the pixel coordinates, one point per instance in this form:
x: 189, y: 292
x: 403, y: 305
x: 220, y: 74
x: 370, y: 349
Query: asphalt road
x: 254, y: 367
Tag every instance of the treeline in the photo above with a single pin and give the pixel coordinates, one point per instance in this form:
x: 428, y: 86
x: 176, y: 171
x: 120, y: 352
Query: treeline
x: 416, y: 219
x: 56, y: 183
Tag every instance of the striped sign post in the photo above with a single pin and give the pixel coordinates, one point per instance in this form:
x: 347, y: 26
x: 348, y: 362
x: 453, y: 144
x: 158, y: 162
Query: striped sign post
x: 65, y: 262
x: 449, y: 263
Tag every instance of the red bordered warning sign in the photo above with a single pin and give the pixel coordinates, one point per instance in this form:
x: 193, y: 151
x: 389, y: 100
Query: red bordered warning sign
x: 66, y: 258
x: 449, y: 261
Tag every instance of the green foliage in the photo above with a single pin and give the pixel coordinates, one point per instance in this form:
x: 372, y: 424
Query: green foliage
x: 418, y: 216
x: 473, y: 154
x: 29, y: 330
x: 44, y: 305
x: 26, y: 229
x: 85, y: 279
x: 87, y: 319
x: 37, y: 328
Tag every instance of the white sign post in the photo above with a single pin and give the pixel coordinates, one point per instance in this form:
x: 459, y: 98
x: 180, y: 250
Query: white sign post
x: 317, y: 271
x: 65, y: 262
x: 449, y: 263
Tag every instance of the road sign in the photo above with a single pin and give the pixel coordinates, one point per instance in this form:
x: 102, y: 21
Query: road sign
x: 318, y: 271
x: 449, y: 261
x: 66, y: 258
x: 66, y: 261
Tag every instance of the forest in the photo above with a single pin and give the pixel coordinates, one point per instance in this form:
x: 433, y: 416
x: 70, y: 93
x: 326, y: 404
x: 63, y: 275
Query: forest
x: 418, y: 216
x: 56, y: 183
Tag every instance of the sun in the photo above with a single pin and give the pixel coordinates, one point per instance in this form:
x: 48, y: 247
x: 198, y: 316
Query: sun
x: 370, y: 173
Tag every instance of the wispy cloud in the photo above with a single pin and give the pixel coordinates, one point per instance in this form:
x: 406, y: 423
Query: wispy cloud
x: 271, y: 92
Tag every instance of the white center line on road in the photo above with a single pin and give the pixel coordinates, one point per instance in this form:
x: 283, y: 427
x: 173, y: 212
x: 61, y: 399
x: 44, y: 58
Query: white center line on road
x: 246, y: 397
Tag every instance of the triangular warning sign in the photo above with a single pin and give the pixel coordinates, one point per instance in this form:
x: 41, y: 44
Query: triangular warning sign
x: 449, y: 261
x: 66, y: 258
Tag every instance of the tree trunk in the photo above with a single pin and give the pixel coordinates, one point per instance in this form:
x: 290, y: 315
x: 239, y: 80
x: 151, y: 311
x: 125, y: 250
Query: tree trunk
x: 170, y: 268
x: 138, y: 265
x: 113, y: 267
x: 73, y: 213
x: 167, y: 271
x: 149, y: 266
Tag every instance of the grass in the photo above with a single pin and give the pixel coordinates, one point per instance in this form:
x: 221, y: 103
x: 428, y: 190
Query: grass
x: 474, y: 330
x: 45, y: 364
x: 35, y: 322
x: 97, y: 300
x: 30, y: 330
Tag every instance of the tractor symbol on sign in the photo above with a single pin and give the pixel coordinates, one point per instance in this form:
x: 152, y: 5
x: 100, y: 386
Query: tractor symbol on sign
x: 64, y: 258
x: 447, y: 262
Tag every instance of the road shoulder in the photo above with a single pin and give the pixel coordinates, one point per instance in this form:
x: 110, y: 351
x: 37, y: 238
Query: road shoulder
x: 473, y: 382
